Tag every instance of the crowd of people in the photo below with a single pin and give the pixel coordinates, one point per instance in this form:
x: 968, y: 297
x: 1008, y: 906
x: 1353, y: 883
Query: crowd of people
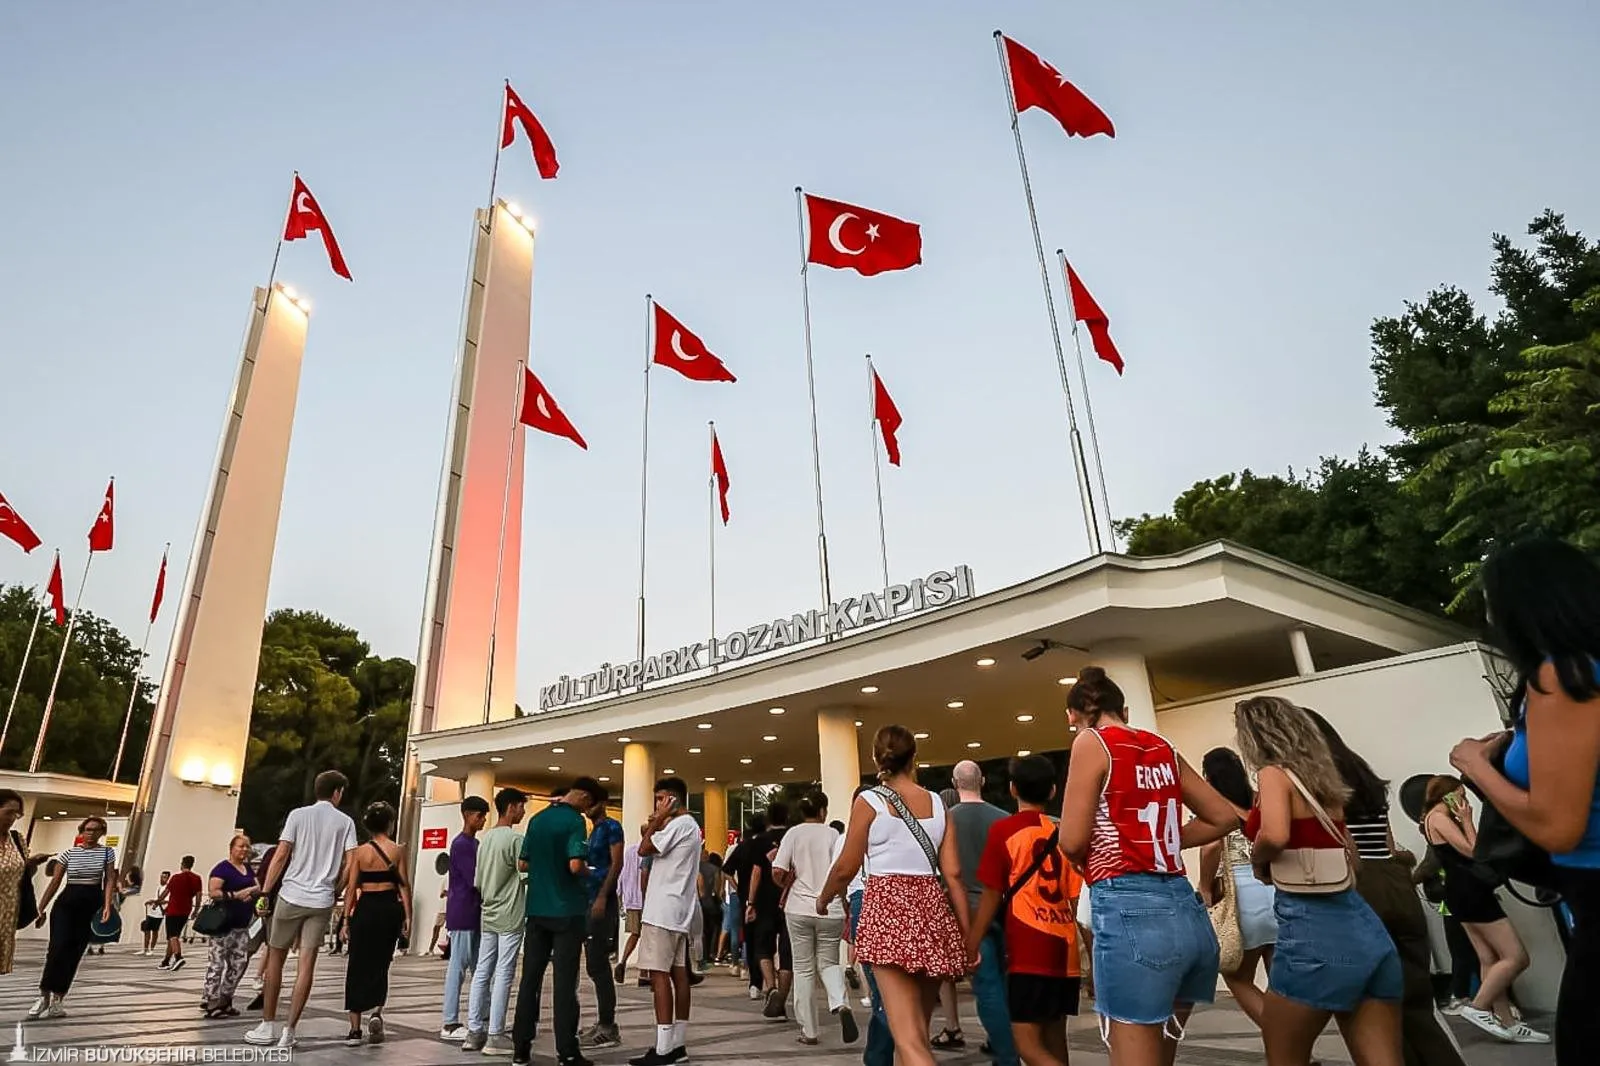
x: 1298, y: 873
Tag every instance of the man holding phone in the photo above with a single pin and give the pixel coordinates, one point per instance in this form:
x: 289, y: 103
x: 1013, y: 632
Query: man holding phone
x: 672, y: 841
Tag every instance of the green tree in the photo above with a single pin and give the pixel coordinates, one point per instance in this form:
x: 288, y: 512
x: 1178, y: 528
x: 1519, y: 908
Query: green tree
x: 91, y: 699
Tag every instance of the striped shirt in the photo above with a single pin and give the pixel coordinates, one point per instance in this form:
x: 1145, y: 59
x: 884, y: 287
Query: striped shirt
x: 87, y: 866
x: 1370, y: 835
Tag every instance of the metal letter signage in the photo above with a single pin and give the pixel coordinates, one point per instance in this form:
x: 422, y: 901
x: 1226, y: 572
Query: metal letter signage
x: 939, y: 589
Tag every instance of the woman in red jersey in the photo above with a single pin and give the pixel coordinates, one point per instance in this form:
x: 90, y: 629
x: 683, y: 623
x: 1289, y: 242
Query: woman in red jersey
x: 1155, y: 953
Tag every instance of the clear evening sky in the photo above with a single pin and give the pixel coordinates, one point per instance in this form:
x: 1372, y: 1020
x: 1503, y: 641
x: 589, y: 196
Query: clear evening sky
x: 1281, y: 175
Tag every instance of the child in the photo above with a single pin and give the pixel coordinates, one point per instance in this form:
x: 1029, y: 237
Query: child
x: 1028, y: 880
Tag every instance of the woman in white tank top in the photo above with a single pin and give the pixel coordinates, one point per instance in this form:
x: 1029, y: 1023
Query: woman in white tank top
x: 914, y: 915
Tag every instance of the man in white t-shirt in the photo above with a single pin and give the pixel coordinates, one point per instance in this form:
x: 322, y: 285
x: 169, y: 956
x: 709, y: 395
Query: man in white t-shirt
x: 307, y: 868
x: 671, y: 840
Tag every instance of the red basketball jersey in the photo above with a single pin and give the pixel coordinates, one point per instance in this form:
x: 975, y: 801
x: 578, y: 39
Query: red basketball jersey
x: 1141, y: 807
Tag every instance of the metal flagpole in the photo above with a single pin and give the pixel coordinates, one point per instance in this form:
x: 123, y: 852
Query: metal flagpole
x: 278, y: 251
x: 1085, y: 493
x: 644, y: 466
x: 23, y: 669
x: 133, y: 697
x: 711, y: 483
x: 1088, y: 406
x: 877, y: 469
x: 494, y: 175
x: 811, y: 392
x: 66, y: 642
x: 500, y: 556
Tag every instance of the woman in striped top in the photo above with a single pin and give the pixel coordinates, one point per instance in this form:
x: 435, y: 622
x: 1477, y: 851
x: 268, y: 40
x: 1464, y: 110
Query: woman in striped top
x: 1384, y: 881
x: 89, y: 870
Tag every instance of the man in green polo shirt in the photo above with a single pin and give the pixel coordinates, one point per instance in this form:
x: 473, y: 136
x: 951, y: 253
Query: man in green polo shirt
x: 555, y: 853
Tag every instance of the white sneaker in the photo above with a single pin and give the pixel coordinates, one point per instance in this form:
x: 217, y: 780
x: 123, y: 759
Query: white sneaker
x: 258, y: 984
x: 1453, y: 1008
x: 1523, y: 1033
x: 1485, y: 1020
x: 40, y: 1005
x: 755, y: 993
x: 286, y: 1039
x: 56, y: 1010
x: 265, y: 1034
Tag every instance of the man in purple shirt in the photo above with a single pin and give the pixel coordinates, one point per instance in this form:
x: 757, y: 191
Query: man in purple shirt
x: 461, y: 912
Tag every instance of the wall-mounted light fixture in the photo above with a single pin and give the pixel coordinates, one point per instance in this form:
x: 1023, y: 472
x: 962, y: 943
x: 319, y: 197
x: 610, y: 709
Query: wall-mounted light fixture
x: 219, y: 776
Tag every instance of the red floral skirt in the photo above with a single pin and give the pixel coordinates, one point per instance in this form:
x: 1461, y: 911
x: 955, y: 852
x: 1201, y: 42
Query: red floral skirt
x: 906, y: 922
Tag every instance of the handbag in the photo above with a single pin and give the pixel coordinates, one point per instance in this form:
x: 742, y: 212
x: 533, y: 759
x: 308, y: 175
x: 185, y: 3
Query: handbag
x: 1224, y: 915
x: 27, y: 900
x: 1315, y: 871
x: 213, y: 920
x: 1503, y: 853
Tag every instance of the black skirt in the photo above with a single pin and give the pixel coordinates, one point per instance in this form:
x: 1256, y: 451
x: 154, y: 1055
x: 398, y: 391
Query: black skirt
x: 374, y: 934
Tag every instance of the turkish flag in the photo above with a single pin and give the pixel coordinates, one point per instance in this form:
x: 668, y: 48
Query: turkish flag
x: 887, y: 415
x: 161, y: 589
x: 681, y: 350
x: 1085, y: 310
x: 853, y: 238
x: 540, y: 411
x: 1035, y: 83
x: 518, y: 114
x: 719, y: 470
x: 12, y: 525
x: 103, y: 533
x: 58, y: 595
x: 305, y: 215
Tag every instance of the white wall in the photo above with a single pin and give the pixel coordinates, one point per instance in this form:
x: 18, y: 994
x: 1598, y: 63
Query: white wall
x: 1403, y: 715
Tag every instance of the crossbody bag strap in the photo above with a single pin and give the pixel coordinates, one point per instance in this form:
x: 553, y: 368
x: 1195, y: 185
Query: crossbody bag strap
x: 1327, y: 822
x: 1033, y: 869
x: 919, y: 834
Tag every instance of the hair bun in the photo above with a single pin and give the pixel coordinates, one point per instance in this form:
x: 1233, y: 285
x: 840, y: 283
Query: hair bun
x: 1092, y: 675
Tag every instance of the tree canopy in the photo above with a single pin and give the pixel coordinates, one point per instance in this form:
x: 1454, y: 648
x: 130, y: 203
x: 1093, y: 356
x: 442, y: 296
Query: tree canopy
x: 1499, y: 432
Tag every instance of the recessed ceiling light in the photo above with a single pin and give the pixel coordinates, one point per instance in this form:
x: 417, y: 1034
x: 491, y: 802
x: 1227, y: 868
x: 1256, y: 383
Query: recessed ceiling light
x: 858, y: 723
x: 920, y: 736
x: 1023, y: 753
x: 47, y: 817
x: 497, y: 758
x: 694, y: 751
x: 558, y: 751
x: 774, y: 710
x: 624, y: 740
x: 986, y: 661
x: 788, y: 769
x: 869, y: 689
x: 669, y: 771
x: 616, y: 762
x: 1065, y: 680
x: 1024, y: 717
x: 923, y: 765
x: 703, y: 725
x: 955, y: 705
x: 974, y: 743
x: 710, y: 779
x: 552, y: 769
x: 603, y: 779
x: 1072, y: 729
x: 747, y: 760
x: 769, y: 738
x: 62, y: 813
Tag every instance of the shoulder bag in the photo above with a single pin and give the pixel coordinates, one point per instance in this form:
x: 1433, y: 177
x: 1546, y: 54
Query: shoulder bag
x: 1315, y: 871
x: 1224, y: 915
x: 27, y: 901
x: 919, y: 834
x: 1503, y: 853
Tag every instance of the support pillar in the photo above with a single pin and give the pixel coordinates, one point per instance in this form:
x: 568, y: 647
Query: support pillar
x: 715, y: 803
x: 1124, y: 663
x: 638, y: 788
x: 1304, y: 665
x: 839, y: 754
x: 481, y: 783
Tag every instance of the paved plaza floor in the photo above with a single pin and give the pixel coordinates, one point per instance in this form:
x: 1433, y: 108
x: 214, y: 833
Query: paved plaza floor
x: 122, y: 1000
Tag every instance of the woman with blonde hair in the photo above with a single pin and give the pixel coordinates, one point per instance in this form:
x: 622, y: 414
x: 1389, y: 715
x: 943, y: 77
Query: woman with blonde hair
x: 232, y: 886
x: 1334, y: 957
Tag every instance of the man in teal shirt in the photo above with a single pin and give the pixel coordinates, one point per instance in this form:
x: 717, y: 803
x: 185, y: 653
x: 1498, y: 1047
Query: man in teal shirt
x: 555, y: 852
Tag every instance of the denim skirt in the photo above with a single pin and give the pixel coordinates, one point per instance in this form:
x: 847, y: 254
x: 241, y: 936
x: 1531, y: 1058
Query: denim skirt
x: 1333, y: 952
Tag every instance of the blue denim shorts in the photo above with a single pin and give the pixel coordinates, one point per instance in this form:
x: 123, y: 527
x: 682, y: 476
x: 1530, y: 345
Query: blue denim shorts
x: 1333, y: 953
x: 1153, y: 947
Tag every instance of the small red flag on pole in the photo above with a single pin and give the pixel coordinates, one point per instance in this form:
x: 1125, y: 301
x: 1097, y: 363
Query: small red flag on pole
x: 676, y: 347
x: 719, y: 471
x: 1035, y: 83
x: 305, y: 215
x: 519, y: 114
x: 58, y: 593
x: 103, y: 533
x: 887, y: 415
x: 540, y: 411
x: 1085, y: 310
x: 854, y: 238
x: 13, y: 527
x: 161, y: 589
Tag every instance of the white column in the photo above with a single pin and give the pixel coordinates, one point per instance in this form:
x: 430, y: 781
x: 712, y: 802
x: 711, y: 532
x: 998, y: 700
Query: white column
x: 1123, y: 662
x: 715, y: 803
x: 480, y: 782
x: 1304, y: 665
x: 839, y: 752
x: 638, y: 788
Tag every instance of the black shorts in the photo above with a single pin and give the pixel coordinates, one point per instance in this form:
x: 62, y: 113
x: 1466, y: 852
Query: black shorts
x: 1035, y: 999
x: 151, y: 924
x: 176, y: 924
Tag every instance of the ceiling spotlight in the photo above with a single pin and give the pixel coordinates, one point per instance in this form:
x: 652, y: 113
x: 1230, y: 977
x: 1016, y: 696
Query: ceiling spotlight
x: 616, y: 762
x: 749, y: 784
x: 955, y: 705
x: 603, y: 779
x: 1024, y: 717
x: 920, y: 736
x: 747, y: 760
x: 47, y: 817
x: 553, y: 769
x: 1023, y: 753
x: 710, y: 779
x: 858, y: 723
x: 1040, y: 647
x: 558, y: 751
x: 974, y: 743
x: 1072, y: 729
x: 497, y: 758
x: 62, y: 813
x: 624, y: 740
x: 788, y: 769
x: 769, y: 738
x: 986, y: 661
x: 923, y: 765
x: 1066, y: 680
x: 774, y: 710
x: 869, y: 689
x: 694, y: 751
x: 703, y: 725
x: 669, y: 771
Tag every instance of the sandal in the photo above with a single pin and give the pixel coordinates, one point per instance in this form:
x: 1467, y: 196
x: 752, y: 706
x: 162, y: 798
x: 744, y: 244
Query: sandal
x: 949, y: 1040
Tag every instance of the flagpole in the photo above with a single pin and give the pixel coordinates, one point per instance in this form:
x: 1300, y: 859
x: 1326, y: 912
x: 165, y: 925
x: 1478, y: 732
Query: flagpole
x: 1085, y: 493
x: 494, y: 174
x: 877, y: 469
x: 66, y: 642
x: 27, y: 650
x: 644, y: 467
x: 711, y: 486
x: 500, y: 552
x: 811, y: 393
x: 1088, y: 406
x: 278, y: 251
x: 133, y: 697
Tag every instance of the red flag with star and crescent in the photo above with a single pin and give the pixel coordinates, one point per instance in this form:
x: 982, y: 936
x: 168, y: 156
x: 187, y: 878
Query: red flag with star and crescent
x: 1085, y: 310
x: 540, y: 411
x: 887, y: 415
x: 58, y: 594
x: 719, y: 471
x: 854, y: 238
x: 684, y: 352
x: 305, y: 215
x: 12, y: 526
x: 161, y: 589
x: 519, y: 114
x: 103, y: 533
x: 1035, y: 83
